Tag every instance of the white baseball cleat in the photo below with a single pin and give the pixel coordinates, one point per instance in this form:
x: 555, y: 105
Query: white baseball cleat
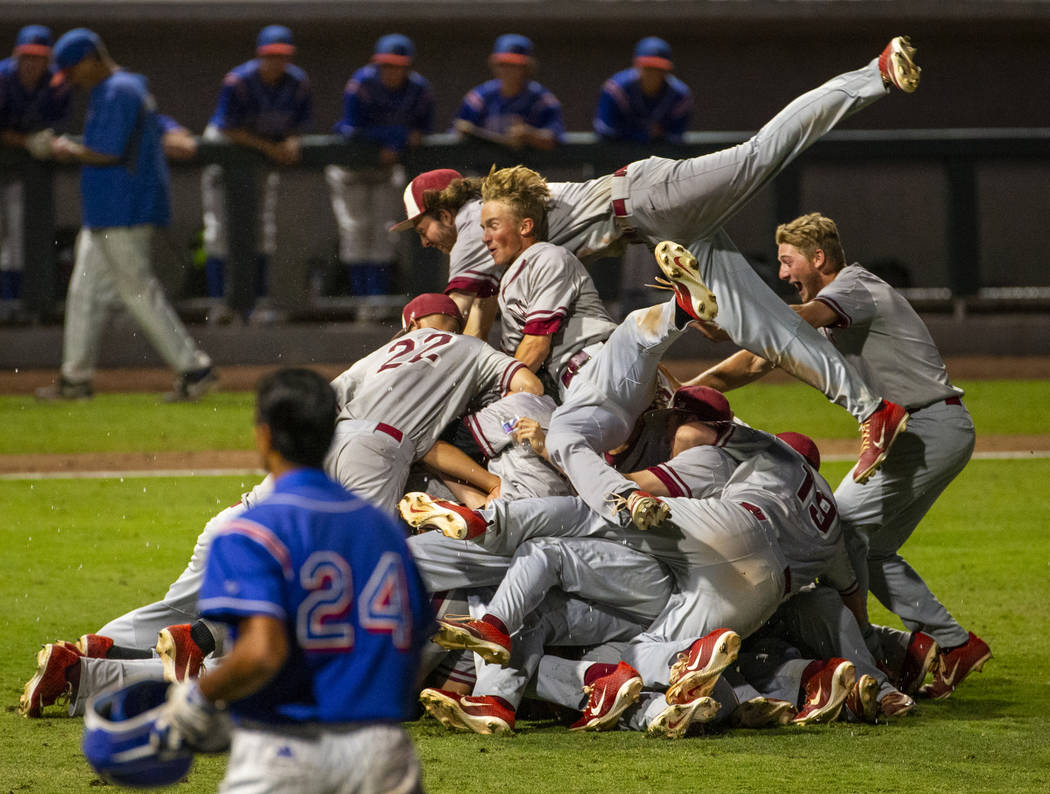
x: 897, y: 65
x: 690, y: 291
x: 454, y: 521
x: 482, y: 714
x: 675, y: 720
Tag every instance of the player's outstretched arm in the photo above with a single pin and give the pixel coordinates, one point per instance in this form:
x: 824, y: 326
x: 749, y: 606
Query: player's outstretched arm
x: 525, y: 380
x: 533, y: 351
x: 258, y: 655
x: 452, y: 462
x: 480, y: 314
x: 740, y: 369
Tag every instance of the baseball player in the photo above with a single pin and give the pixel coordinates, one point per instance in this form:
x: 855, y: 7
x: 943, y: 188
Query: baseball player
x: 512, y: 108
x: 34, y: 103
x: 265, y: 104
x: 389, y: 104
x: 283, y: 575
x: 688, y: 201
x: 879, y: 332
x: 124, y: 190
x: 395, y: 402
x: 645, y: 103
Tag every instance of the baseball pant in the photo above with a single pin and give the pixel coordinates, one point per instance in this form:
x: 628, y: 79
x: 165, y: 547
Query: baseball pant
x: 113, y: 267
x: 365, y: 203
x: 356, y: 759
x: 97, y: 675
x: 879, y: 516
x: 12, y: 249
x: 370, y: 463
x: 604, y: 401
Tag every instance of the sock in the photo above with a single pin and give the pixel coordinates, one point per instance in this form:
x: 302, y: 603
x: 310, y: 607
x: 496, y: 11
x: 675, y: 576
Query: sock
x: 201, y: 634
x: 682, y: 318
x: 123, y: 652
x: 503, y: 702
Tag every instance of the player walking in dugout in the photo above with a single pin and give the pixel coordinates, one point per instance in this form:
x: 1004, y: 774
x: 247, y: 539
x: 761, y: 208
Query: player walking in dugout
x: 881, y: 334
x: 688, y: 201
x: 124, y: 197
x: 314, y: 688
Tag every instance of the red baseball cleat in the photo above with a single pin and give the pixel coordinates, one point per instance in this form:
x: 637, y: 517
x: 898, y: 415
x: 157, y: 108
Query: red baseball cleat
x: 897, y: 65
x: 181, y: 656
x: 919, y: 659
x: 94, y: 646
x: 484, y: 639
x: 695, y: 673
x: 454, y: 521
x: 896, y: 704
x: 676, y: 720
x: 609, y: 697
x: 863, y: 699
x: 954, y: 665
x: 483, y: 714
x: 826, y: 688
x: 877, y: 434
x: 690, y: 291
x: 49, y: 684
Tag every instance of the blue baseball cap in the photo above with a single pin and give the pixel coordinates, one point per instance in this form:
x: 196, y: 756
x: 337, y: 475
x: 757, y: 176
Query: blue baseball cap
x: 275, y: 40
x: 33, y: 40
x: 73, y: 46
x: 512, y: 48
x: 395, y: 49
x: 653, y: 51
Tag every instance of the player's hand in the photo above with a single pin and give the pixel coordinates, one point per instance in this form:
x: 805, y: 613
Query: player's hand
x: 528, y: 431
x: 191, y: 720
x: 518, y: 134
x: 179, y: 145
x: 287, y: 152
x: 40, y: 144
x: 388, y: 156
x: 711, y: 331
x: 64, y: 149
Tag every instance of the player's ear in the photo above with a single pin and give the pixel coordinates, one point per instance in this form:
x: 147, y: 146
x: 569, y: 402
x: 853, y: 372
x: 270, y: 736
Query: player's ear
x: 446, y: 217
x: 527, y: 227
x: 263, y: 439
x: 819, y: 260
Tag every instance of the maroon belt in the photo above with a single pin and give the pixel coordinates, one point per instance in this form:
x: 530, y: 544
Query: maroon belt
x: 391, y: 431
x: 573, y: 367
x: 946, y: 401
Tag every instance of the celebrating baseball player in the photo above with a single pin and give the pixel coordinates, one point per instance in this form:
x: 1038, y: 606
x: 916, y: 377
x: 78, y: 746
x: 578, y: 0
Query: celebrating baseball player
x: 878, y: 331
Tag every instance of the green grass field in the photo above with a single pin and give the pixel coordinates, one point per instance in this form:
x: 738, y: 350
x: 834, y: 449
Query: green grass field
x: 79, y: 552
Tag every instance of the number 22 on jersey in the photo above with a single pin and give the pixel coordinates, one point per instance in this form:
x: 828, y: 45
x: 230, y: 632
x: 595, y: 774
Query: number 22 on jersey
x: 404, y: 351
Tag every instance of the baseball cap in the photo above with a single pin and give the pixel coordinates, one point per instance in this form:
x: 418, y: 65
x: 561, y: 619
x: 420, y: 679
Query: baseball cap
x: 275, y: 40
x: 33, y: 40
x: 804, y: 446
x: 429, y: 303
x: 428, y: 180
x: 705, y: 403
x: 73, y: 46
x: 395, y: 49
x: 653, y: 51
x: 512, y: 48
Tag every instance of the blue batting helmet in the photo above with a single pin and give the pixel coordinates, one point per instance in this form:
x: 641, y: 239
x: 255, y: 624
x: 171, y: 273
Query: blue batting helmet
x: 118, y: 726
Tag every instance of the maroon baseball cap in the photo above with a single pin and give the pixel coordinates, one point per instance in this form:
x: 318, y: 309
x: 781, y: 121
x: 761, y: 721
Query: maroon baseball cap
x: 804, y: 446
x: 428, y: 180
x: 429, y: 303
x: 705, y: 403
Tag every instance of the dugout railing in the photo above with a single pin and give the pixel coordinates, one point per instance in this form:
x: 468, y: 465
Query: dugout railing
x: 959, y: 152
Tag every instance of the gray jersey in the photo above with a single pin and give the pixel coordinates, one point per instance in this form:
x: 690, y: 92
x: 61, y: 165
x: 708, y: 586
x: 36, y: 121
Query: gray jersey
x: 881, y: 335
x: 470, y: 265
x: 547, y: 292
x: 698, y: 472
x: 421, y: 381
x: 777, y: 485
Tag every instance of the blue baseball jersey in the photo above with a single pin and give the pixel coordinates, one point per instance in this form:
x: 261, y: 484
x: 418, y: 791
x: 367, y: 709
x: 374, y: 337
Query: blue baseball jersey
x: 375, y: 113
x: 485, y: 107
x: 625, y: 113
x: 339, y: 575
x: 41, y: 107
x: 274, y: 111
x: 121, y: 121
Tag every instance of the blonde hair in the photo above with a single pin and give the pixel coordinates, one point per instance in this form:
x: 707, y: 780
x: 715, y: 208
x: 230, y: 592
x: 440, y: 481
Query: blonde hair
x: 523, y: 190
x: 811, y: 232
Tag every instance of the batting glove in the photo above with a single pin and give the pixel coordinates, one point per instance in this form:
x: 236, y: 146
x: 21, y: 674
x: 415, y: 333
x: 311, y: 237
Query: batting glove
x: 191, y: 720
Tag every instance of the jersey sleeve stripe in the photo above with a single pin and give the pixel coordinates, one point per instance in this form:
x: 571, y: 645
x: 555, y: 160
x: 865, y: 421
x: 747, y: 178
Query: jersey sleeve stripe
x: 508, y: 375
x: 265, y: 538
x: 671, y: 480
x: 246, y: 606
x: 844, y: 319
x: 474, y: 426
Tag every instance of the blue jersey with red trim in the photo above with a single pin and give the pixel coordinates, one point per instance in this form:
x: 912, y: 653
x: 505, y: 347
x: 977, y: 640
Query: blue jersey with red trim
x: 274, y: 112
x: 337, y: 572
x: 45, y: 105
x: 374, y: 112
x: 485, y: 107
x: 625, y: 113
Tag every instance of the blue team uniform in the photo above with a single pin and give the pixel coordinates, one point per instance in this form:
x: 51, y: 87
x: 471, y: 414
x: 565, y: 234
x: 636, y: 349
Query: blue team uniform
x: 44, y: 106
x: 337, y: 571
x: 121, y: 121
x: 374, y: 113
x: 274, y: 112
x: 626, y: 114
x: 485, y: 107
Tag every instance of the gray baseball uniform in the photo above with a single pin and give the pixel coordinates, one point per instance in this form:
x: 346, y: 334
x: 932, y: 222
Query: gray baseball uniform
x: 397, y: 400
x: 688, y: 201
x: 547, y: 292
x: 882, y: 335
